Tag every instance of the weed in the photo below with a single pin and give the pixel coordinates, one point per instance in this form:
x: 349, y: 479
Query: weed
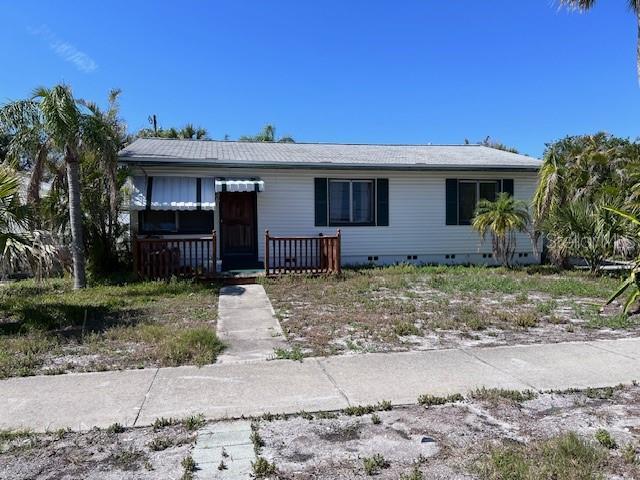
x: 263, y: 468
x: 305, y: 415
x: 160, y: 443
x: 629, y: 454
x: 375, y: 419
x: 295, y: 353
x: 258, y: 442
x: 526, y: 320
x: 128, y: 459
x: 495, y: 395
x: 326, y: 415
x: 359, y: 410
x: 194, y: 422
x: 222, y: 465
x: 193, y: 345
x: 115, y: 428
x: 605, y: 439
x: 547, y: 308
x: 374, y: 464
x: 430, y: 400
x: 415, y: 474
x: 566, y: 456
x: 162, y: 422
x: 403, y: 329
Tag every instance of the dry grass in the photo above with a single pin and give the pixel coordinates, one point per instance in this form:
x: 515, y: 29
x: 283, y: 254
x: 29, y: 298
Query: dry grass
x: 404, y: 307
x: 49, y: 328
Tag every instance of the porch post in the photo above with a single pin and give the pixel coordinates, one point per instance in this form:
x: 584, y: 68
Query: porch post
x: 266, y: 252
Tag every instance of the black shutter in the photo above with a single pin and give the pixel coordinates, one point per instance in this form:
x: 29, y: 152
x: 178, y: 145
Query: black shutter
x: 382, y: 207
x: 451, y: 201
x: 320, y: 200
x: 507, y: 186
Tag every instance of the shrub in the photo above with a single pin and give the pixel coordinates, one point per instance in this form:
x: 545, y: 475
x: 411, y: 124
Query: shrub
x: 629, y: 454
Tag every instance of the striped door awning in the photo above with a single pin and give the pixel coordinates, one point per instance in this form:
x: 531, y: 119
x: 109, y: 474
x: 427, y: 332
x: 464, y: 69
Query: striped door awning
x: 239, y: 185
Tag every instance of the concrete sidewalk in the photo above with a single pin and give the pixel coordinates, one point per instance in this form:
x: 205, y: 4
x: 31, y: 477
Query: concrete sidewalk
x: 138, y: 397
x: 247, y: 324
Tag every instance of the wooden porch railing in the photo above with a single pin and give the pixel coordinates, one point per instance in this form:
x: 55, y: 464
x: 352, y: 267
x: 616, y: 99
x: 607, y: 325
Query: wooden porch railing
x: 314, y: 254
x: 163, y: 258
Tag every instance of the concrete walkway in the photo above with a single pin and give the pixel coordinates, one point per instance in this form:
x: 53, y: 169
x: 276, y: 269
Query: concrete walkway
x: 247, y: 324
x: 138, y: 397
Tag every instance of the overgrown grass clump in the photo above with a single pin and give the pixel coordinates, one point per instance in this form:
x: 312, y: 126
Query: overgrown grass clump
x: 496, y: 395
x: 566, y: 457
x: 119, y: 325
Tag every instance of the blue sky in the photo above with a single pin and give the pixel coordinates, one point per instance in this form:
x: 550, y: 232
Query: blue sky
x: 524, y: 72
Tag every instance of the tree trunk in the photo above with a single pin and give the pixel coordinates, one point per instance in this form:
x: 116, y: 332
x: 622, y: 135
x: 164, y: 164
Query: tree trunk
x: 75, y: 218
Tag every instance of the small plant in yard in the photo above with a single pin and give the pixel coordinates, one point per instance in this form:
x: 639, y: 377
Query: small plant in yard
x: 162, y: 422
x: 160, y: 443
x: 375, y: 419
x: 295, y: 353
x: 374, y: 464
x: 563, y: 457
x: 430, y: 400
x: 403, y: 329
x: 629, y: 454
x: 526, y: 320
x: 189, y: 466
x: 194, y: 422
x: 496, y: 395
x: 222, y: 465
x: 359, y: 410
x: 115, y: 428
x: 605, y: 439
x: 263, y: 468
x: 257, y: 441
x: 415, y: 474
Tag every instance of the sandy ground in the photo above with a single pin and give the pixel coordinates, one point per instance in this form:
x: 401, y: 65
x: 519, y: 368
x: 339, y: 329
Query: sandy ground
x: 449, y: 441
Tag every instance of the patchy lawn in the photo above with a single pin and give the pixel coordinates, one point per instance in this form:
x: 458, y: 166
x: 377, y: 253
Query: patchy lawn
x: 49, y: 328
x: 583, y: 435
x: 418, y: 308
x: 113, y: 453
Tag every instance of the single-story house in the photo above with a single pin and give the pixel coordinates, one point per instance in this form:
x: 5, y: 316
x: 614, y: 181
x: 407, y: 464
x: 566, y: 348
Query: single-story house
x: 391, y: 203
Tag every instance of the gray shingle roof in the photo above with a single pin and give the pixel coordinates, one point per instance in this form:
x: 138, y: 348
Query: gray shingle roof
x: 155, y: 150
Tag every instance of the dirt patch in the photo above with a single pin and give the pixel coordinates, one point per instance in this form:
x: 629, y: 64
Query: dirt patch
x: 423, y: 308
x: 459, y: 440
x: 133, y: 453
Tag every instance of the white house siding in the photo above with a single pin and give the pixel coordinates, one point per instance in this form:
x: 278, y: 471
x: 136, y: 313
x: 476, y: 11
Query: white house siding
x: 416, y: 213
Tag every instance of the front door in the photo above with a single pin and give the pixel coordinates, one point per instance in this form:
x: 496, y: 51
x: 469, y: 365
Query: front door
x: 238, y: 230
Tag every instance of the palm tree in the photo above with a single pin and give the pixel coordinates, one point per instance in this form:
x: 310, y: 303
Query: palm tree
x: 268, y: 134
x: 634, y: 5
x: 14, y: 218
x: 502, y: 218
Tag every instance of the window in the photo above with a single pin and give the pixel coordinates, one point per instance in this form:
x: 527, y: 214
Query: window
x: 351, y: 202
x: 470, y: 192
x: 158, y: 221
x: 164, y: 222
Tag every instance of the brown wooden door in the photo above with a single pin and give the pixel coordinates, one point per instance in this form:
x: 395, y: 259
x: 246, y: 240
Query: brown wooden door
x: 238, y: 230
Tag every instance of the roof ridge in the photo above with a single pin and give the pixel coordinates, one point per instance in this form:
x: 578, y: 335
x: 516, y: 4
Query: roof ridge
x: 200, y: 140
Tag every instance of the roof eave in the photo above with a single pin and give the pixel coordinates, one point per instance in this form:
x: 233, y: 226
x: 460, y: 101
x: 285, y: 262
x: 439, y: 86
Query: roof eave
x: 141, y: 161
